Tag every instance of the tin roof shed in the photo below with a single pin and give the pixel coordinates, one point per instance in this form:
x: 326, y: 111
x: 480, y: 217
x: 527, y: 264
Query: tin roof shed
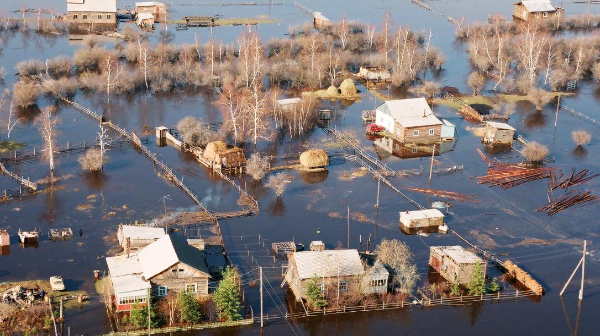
x: 328, y: 263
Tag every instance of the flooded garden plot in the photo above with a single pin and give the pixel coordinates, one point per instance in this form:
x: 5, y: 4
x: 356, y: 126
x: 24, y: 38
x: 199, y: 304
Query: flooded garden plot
x: 314, y: 205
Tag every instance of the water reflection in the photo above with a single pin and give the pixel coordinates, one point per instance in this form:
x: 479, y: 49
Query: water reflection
x: 314, y: 177
x: 277, y: 208
x: 385, y: 147
x: 96, y: 180
x: 535, y: 120
x: 579, y: 152
x: 52, y: 210
x: 5, y: 250
x: 28, y: 114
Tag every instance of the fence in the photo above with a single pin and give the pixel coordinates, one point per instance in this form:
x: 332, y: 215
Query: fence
x: 249, y: 321
x: 581, y: 115
x: 20, y: 179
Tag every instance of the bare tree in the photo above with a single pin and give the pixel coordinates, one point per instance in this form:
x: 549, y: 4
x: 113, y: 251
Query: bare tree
x: 534, y: 151
x: 103, y: 144
x: 397, y: 257
x: 529, y: 49
x: 476, y: 81
x: 581, y: 137
x: 10, y: 125
x: 428, y: 89
x: 112, y: 71
x: 144, y: 60
x: 194, y: 133
x: 26, y: 94
x: 343, y: 32
x: 92, y: 160
x: 278, y: 182
x: 539, y: 97
x: 257, y: 166
x: 47, y: 131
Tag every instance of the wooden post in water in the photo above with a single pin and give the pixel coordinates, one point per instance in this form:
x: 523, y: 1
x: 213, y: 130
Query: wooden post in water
x: 378, y: 184
x: 261, y: 297
x: 582, y: 270
x: 431, y: 166
x: 348, y: 224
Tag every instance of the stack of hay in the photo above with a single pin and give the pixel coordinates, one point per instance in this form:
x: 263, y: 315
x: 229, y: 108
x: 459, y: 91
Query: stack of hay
x: 314, y: 158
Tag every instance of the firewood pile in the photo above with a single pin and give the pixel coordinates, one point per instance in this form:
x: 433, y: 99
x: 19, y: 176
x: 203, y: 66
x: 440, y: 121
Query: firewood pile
x: 448, y: 194
x: 573, y: 180
x: 508, y: 175
x: 568, y: 200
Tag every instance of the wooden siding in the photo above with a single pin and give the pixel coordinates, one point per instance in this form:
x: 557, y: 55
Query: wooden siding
x: 407, y: 134
x: 521, y: 12
x: 498, y: 136
x: 93, y: 17
x: 451, y: 271
x: 176, y: 277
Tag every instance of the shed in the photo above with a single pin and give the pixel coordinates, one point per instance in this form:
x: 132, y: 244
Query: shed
x: 319, y: 20
x: 288, y: 104
x: 139, y: 236
x: 448, y: 130
x: 4, y: 238
x: 421, y: 218
x: 455, y: 263
x: 375, y: 74
x: 220, y: 156
x: 317, y: 245
x: 537, y: 10
x: 409, y: 120
x: 144, y: 20
x: 498, y: 133
x: 92, y: 11
x: 157, y: 9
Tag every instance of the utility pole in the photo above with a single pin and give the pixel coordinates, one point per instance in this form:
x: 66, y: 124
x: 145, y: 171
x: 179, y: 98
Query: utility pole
x: 148, y: 304
x: 261, y: 297
x: 582, y: 270
x: 378, y: 184
x: 431, y: 166
x: 348, y: 224
x: 556, y: 117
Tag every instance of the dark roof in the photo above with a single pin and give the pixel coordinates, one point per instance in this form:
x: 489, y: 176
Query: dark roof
x: 188, y: 254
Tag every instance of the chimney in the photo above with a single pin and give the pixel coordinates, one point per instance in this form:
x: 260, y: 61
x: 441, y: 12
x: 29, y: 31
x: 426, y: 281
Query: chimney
x: 424, y: 113
x: 127, y: 246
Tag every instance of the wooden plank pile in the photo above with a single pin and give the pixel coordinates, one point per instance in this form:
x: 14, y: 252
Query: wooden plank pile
x: 448, y: 194
x: 508, y: 175
x: 573, y: 180
x: 568, y: 200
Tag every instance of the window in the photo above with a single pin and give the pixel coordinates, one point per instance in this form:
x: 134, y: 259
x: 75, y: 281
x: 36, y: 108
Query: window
x: 193, y: 288
x: 131, y: 299
x: 557, y: 13
x: 108, y: 17
x: 431, y: 131
x: 343, y: 286
x: 416, y: 133
x: 162, y: 291
x: 74, y: 16
x: 84, y: 16
x: 100, y: 17
x: 378, y: 283
x: 414, y: 150
x: 545, y: 14
x: 322, y: 287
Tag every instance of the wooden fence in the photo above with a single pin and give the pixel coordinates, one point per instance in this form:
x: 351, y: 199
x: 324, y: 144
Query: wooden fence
x: 581, y: 115
x: 165, y: 330
x: 20, y: 179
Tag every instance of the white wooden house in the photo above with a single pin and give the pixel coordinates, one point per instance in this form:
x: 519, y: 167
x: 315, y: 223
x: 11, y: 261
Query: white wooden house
x: 409, y: 120
x: 92, y: 11
x: 138, y: 236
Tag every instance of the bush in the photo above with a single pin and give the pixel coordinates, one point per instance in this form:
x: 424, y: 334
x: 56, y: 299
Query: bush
x: 493, y: 287
x: 25, y: 94
x: 60, y: 66
x: 30, y: 67
x: 278, y: 183
x: 581, y: 137
x: 92, y: 160
x: 476, y: 81
x: 535, y: 152
x: 257, y: 166
x: 189, y: 307
x: 539, y: 97
x: 193, y: 132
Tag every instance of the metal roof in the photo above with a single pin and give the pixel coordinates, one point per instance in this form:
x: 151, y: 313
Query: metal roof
x: 126, y: 274
x: 103, y: 6
x: 534, y: 6
x: 168, y: 251
x: 406, y: 216
x: 129, y: 283
x: 141, y: 232
x: 289, y: 101
x: 148, y: 4
x: 500, y: 125
x: 328, y: 263
x: 144, y: 16
x: 457, y: 253
x: 413, y: 112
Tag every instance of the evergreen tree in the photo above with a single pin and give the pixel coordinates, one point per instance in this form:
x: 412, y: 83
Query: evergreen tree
x: 313, y: 293
x: 493, y: 287
x: 477, y: 284
x: 455, y: 288
x: 138, y: 317
x: 189, y: 307
x: 227, y: 297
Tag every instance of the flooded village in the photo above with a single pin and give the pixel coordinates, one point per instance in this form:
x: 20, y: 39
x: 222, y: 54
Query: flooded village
x: 299, y: 167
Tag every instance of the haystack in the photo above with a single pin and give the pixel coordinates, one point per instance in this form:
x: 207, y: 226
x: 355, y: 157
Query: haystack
x: 314, y: 158
x: 332, y: 91
x: 348, y: 88
x: 213, y: 149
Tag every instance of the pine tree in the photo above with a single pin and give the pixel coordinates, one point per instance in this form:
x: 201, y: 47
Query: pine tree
x: 227, y: 296
x: 189, y: 307
x: 455, y: 288
x: 493, y: 287
x: 138, y: 317
x: 477, y: 284
x: 313, y: 293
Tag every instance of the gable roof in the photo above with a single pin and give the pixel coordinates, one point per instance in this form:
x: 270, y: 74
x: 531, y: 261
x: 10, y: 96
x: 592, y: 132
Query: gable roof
x: 168, y: 251
x: 499, y: 125
x: 102, y: 6
x: 410, y: 112
x: 534, y: 6
x: 328, y: 263
x: 141, y: 232
x: 126, y: 274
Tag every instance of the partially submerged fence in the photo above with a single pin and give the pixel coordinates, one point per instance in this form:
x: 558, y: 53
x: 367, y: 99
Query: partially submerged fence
x: 580, y: 115
x: 165, y: 330
x: 20, y: 179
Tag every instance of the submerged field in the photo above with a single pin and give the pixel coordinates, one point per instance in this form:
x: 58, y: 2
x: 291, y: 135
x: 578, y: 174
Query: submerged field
x: 314, y: 205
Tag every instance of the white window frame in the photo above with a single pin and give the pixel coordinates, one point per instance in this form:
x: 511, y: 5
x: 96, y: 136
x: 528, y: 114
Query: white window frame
x: 108, y: 16
x: 416, y: 133
x: 545, y: 14
x: 414, y: 150
x: 322, y: 287
x: 195, y: 291
x: 162, y: 291
x: 84, y: 16
x: 343, y: 286
x: 432, y: 131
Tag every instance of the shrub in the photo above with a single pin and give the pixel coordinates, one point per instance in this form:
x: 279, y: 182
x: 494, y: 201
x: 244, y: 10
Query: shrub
x: 92, y: 160
x: 30, y: 67
x: 60, y: 66
x: 257, y: 166
x: 278, y: 183
x: 535, y: 152
x: 193, y: 132
x: 25, y: 94
x: 539, y: 97
x: 493, y: 287
x: 581, y: 137
x: 476, y: 81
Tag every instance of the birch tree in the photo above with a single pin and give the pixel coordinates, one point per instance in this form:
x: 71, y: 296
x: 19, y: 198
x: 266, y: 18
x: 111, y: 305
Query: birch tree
x: 529, y: 50
x: 47, y: 130
x: 112, y: 72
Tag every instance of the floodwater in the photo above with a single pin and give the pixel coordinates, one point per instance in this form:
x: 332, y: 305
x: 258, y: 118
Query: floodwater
x: 313, y: 207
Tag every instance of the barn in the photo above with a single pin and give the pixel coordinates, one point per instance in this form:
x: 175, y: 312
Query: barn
x: 498, y: 133
x: 455, y: 263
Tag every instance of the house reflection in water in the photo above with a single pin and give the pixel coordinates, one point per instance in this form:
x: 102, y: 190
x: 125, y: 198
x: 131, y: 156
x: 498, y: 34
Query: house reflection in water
x: 386, y: 147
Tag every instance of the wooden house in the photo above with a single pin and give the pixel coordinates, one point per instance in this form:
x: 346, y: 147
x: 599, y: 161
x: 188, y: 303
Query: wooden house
x: 168, y: 264
x: 498, y: 133
x: 537, y: 10
x: 320, y: 21
x: 376, y: 277
x: 418, y: 219
x: 4, y: 238
x: 375, y: 74
x: 157, y: 9
x: 455, y: 263
x: 219, y: 156
x: 138, y: 236
x: 144, y: 20
x: 409, y: 120
x: 92, y: 11
x: 341, y: 270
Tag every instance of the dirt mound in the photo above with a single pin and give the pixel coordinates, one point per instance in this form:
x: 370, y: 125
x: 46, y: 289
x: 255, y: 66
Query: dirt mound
x: 314, y: 158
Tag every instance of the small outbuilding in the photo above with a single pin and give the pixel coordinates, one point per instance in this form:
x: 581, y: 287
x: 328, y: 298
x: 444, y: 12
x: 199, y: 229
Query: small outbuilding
x: 448, y: 130
x: 375, y: 74
x: 138, y: 236
x: 537, y: 10
x: 4, y: 238
x: 289, y: 104
x: 421, y: 218
x: 219, y: 156
x: 317, y: 245
x: 455, y: 263
x: 319, y: 20
x: 498, y: 133
x: 314, y: 158
x: 157, y: 9
x: 144, y: 20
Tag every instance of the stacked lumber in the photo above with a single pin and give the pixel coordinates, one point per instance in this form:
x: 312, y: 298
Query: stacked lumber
x: 523, y: 277
x: 448, y: 194
x: 573, y: 180
x: 508, y: 176
x: 568, y: 200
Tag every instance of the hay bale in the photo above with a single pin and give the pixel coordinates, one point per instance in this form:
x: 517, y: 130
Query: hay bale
x: 332, y: 91
x: 213, y: 150
x: 314, y: 158
x: 348, y: 88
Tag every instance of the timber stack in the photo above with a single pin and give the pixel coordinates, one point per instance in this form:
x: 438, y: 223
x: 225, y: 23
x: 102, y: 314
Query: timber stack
x: 566, y: 201
x: 523, y: 277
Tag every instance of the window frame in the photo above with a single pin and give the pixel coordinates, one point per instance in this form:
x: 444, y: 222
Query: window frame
x: 545, y: 14
x: 432, y: 131
x: 99, y: 16
x: 343, y: 285
x: 195, y: 285
x: 75, y: 16
x: 84, y: 16
x: 162, y: 289
x: 416, y: 133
